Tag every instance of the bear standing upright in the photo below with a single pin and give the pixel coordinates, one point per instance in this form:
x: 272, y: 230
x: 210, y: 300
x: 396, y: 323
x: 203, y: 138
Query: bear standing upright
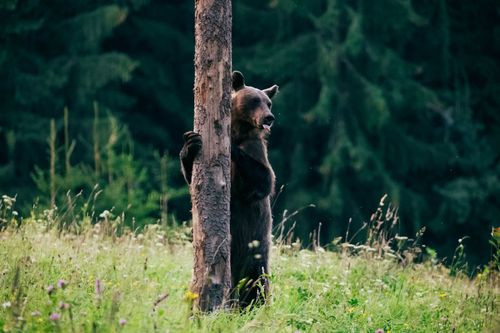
x: 252, y: 184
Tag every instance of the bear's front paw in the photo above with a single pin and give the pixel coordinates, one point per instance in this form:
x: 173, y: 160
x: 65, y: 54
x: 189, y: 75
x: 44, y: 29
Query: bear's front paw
x: 191, y: 148
x: 192, y: 145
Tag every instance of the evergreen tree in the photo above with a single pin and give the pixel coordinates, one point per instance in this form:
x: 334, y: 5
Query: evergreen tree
x: 374, y: 101
x: 52, y: 59
x: 385, y: 96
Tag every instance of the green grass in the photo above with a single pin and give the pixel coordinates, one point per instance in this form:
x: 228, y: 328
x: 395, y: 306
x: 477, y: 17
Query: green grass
x: 311, y: 291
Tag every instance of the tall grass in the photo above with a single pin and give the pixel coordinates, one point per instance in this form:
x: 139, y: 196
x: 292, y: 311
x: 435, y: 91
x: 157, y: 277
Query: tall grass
x: 102, y: 279
x: 123, y: 185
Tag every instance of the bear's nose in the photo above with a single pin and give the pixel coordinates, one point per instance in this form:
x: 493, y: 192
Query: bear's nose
x: 268, y: 120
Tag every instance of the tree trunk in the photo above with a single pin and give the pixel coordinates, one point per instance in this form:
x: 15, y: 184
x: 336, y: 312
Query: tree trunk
x: 211, y: 181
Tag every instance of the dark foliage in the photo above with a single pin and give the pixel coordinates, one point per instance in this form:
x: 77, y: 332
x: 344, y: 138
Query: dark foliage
x: 386, y: 96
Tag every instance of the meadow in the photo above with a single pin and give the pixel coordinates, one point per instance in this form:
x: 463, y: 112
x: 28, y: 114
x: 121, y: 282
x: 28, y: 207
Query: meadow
x: 94, y: 279
x: 389, y: 96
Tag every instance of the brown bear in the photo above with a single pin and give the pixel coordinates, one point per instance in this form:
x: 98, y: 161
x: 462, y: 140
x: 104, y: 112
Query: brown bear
x: 252, y: 184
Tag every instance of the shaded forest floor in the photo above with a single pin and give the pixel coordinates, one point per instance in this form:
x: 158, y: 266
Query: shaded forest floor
x: 93, y: 282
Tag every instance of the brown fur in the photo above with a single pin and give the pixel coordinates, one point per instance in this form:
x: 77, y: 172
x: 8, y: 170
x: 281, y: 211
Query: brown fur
x: 252, y: 184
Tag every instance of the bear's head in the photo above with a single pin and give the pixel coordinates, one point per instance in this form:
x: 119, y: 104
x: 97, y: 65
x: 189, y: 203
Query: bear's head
x: 251, y: 109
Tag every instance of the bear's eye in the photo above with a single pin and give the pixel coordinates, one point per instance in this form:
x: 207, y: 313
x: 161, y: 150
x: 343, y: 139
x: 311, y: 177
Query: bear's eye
x: 254, y: 102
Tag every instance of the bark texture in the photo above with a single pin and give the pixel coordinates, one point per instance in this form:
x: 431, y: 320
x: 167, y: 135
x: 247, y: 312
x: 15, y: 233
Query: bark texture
x: 211, y: 180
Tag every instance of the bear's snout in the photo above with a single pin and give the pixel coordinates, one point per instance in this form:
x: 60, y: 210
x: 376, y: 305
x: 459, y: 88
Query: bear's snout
x: 268, y: 121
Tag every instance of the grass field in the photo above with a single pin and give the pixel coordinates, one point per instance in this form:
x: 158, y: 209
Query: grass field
x: 91, y: 282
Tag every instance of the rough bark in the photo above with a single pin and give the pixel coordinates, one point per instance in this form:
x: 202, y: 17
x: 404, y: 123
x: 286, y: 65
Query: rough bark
x: 211, y: 181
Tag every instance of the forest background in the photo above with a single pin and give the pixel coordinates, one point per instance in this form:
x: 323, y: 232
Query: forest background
x: 388, y: 96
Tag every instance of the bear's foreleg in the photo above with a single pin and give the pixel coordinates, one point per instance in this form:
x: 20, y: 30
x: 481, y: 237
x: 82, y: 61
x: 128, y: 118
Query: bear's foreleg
x: 255, y: 180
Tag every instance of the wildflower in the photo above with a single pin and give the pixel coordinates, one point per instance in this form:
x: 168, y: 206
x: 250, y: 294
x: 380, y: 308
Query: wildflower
x: 105, y: 214
x: 253, y: 244
x: 190, y: 296
x: 55, y: 316
x: 6, y: 305
x: 8, y: 201
x: 98, y: 287
x: 51, y: 289
x: 379, y: 331
x: 442, y: 295
x: 122, y: 322
x: 62, y: 284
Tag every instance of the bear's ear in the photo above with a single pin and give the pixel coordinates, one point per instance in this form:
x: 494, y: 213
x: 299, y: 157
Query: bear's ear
x: 270, y: 92
x: 238, y: 81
